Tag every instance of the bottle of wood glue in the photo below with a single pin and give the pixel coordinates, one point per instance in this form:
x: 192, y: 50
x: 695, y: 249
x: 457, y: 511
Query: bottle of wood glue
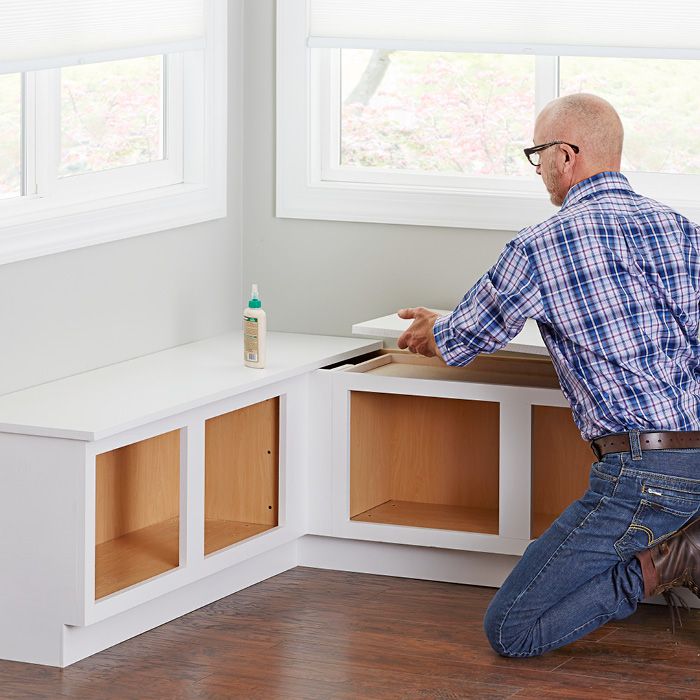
x: 254, y: 331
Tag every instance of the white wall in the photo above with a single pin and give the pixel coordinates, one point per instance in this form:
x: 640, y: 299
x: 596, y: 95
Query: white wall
x: 321, y: 277
x: 68, y: 313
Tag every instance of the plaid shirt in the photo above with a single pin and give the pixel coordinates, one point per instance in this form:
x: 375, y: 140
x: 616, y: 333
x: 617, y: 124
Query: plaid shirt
x: 613, y: 281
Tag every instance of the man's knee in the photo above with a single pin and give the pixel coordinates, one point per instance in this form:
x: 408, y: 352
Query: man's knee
x: 492, y: 627
x: 503, y: 639
x: 494, y: 623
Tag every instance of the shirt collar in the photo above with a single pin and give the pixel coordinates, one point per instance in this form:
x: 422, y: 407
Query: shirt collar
x: 599, y: 182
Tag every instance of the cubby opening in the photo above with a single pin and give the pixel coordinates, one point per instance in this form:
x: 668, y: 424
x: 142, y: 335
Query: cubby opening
x: 507, y: 368
x: 561, y: 463
x: 137, y: 508
x: 424, y: 461
x: 241, y: 474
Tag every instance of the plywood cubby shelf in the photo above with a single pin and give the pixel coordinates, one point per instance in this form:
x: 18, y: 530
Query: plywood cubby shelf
x: 561, y: 463
x: 241, y: 474
x: 424, y: 461
x: 137, y: 508
x: 433, y: 515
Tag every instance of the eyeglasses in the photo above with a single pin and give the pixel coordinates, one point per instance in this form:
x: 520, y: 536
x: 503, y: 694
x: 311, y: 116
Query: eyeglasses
x: 533, y: 153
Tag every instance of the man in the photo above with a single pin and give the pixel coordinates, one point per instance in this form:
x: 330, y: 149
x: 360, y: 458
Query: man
x: 613, y: 280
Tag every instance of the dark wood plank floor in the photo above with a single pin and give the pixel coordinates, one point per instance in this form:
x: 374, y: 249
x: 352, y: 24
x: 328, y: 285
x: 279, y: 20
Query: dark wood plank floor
x: 327, y: 634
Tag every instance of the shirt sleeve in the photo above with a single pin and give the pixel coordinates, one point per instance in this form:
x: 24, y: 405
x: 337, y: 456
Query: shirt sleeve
x: 492, y: 312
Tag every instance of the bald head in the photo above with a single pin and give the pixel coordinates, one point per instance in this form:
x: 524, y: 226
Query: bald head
x: 589, y: 122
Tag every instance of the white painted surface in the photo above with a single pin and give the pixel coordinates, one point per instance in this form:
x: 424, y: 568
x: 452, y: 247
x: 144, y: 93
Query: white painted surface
x: 40, y: 545
x: 320, y: 465
x: 528, y: 340
x: 96, y: 404
x: 515, y: 465
x: 386, y: 559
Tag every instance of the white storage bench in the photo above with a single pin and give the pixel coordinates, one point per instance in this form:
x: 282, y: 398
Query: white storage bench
x: 133, y: 494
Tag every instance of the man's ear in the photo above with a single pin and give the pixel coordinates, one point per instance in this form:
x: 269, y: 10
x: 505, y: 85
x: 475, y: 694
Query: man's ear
x: 567, y: 163
x: 563, y: 164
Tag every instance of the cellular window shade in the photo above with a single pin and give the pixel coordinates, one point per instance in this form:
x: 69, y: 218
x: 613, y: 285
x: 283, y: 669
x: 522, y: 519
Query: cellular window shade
x: 47, y: 34
x: 563, y: 27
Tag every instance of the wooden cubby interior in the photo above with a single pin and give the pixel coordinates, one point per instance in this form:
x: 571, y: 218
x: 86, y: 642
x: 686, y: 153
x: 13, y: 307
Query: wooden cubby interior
x: 137, y: 506
x: 561, y: 463
x: 424, y: 461
x: 241, y: 474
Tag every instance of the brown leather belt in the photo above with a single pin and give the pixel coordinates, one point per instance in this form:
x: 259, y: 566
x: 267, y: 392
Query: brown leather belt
x: 666, y: 440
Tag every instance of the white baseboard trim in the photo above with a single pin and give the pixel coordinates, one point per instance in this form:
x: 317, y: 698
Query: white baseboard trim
x: 406, y: 561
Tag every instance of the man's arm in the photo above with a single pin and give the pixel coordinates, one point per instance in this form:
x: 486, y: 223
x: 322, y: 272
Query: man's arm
x: 491, y: 313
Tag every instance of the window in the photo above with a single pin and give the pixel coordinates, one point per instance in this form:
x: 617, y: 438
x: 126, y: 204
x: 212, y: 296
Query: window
x: 112, y: 115
x: 10, y: 135
x: 400, y: 130
x: 105, y: 142
x: 435, y: 112
x: 99, y: 130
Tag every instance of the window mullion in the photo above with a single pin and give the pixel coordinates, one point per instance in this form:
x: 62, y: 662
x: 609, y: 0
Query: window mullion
x: 546, y: 80
x: 172, y: 112
x: 29, y: 126
x: 334, y: 105
x: 192, y: 108
x: 326, y: 109
x: 47, y: 130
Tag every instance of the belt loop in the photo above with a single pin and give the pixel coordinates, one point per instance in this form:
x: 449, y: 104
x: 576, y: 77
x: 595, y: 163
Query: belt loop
x: 635, y: 446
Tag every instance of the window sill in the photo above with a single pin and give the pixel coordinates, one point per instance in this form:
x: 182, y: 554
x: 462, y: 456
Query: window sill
x: 422, y: 206
x: 469, y: 208
x: 109, y: 219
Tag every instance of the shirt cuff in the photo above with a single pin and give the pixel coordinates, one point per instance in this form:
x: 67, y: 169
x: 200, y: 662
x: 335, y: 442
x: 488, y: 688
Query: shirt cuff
x: 452, y: 350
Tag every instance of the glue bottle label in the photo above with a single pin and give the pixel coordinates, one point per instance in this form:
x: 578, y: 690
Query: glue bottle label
x: 250, y: 338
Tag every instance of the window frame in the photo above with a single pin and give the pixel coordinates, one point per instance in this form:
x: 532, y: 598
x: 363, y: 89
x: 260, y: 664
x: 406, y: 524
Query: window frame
x: 188, y: 186
x: 311, y: 185
x: 8, y: 197
x: 120, y: 180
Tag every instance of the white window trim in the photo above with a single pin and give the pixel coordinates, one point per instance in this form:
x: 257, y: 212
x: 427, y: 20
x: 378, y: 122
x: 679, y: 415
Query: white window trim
x: 310, y: 184
x: 31, y: 227
x: 120, y: 180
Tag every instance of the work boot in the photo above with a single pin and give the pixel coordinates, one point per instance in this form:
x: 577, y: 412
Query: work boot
x: 672, y: 563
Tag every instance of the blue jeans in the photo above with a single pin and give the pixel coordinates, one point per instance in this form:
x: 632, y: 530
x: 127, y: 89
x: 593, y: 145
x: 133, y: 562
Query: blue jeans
x: 582, y: 571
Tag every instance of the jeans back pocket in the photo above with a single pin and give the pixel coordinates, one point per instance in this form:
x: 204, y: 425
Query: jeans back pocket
x: 653, y: 522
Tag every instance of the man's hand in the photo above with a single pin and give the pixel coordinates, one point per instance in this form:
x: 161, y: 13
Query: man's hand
x: 418, y: 337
